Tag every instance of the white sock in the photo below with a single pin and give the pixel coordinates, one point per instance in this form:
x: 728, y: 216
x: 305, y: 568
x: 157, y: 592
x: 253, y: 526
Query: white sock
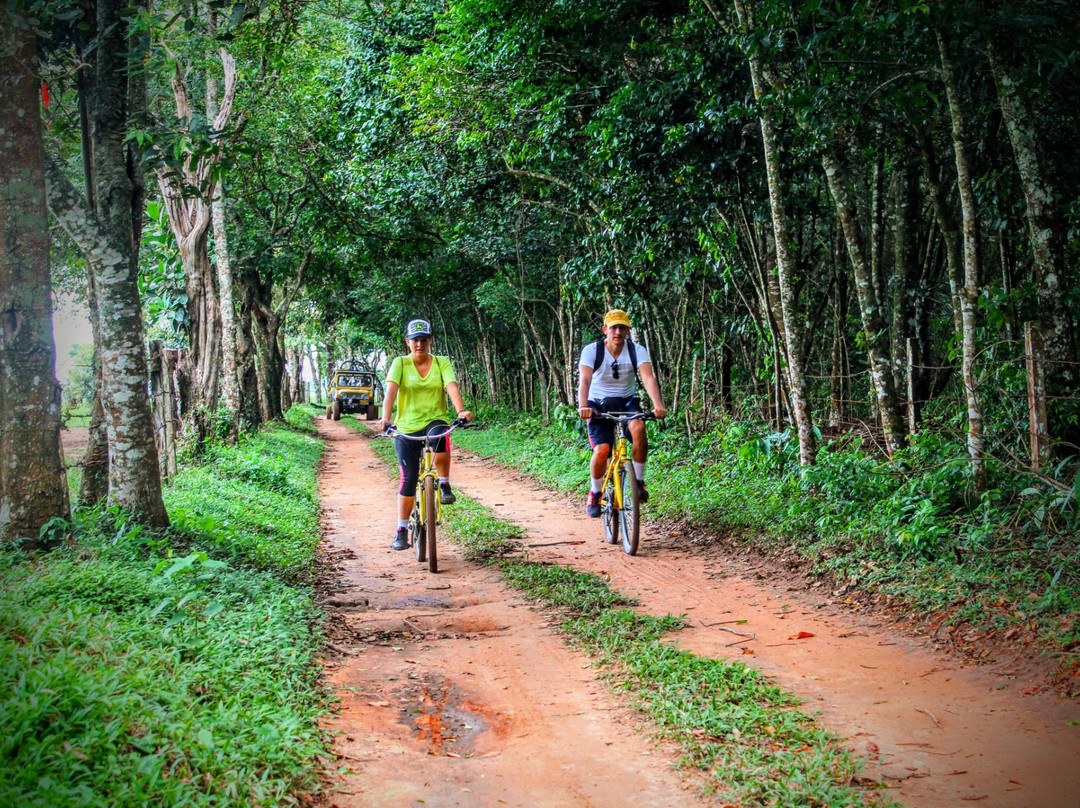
x: 597, y: 483
x: 402, y: 522
x: 444, y: 480
x: 639, y: 470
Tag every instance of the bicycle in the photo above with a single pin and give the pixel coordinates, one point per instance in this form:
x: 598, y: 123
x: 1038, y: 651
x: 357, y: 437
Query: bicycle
x: 619, y: 505
x: 427, y: 509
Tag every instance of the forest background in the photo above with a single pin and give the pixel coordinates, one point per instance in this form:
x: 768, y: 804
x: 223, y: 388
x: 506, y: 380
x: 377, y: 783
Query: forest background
x: 848, y: 234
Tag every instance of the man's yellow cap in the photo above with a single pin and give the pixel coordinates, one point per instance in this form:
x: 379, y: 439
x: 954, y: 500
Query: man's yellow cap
x: 616, y: 317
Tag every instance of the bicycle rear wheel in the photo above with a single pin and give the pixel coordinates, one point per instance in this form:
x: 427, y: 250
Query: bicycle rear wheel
x: 629, y: 515
x: 416, y: 533
x: 431, y: 517
x: 609, y: 514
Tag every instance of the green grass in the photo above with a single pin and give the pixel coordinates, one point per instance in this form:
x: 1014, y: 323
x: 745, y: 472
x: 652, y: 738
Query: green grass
x: 76, y: 416
x: 175, y: 668
x: 256, y: 503
x: 904, y: 532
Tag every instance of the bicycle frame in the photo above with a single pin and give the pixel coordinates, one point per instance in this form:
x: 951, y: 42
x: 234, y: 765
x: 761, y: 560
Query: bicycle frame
x: 427, y: 469
x: 619, y: 454
x: 619, y: 515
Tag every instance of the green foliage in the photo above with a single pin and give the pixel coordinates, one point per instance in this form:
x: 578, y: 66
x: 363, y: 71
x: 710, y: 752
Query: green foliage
x: 138, y: 668
x: 562, y: 586
x: 79, y: 385
x: 161, y: 281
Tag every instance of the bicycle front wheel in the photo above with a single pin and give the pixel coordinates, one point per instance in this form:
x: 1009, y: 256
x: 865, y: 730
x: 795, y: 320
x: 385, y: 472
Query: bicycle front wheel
x: 629, y: 515
x: 431, y: 517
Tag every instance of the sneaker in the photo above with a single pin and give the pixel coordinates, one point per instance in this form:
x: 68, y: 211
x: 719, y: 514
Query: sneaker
x: 446, y: 496
x: 401, y: 540
x: 593, y: 508
x: 642, y: 494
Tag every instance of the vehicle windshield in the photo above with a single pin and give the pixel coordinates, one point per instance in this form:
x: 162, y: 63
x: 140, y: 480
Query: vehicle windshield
x: 354, y: 380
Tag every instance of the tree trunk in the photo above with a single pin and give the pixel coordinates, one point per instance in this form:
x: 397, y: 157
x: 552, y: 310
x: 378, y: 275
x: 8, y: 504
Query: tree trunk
x: 785, y: 270
x: 1044, y: 223
x: 905, y: 261
x: 250, y: 414
x: 870, y: 306
x: 970, y: 293
x: 109, y: 241
x: 947, y: 225
x: 230, y: 387
x: 33, y: 480
x: 187, y: 192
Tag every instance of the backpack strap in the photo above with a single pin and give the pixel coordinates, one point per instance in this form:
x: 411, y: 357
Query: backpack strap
x: 598, y: 360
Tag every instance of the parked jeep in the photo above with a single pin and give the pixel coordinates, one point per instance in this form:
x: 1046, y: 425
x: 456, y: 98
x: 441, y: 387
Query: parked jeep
x: 352, y: 390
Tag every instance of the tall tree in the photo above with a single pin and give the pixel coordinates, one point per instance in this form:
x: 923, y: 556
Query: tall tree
x: 969, y: 293
x: 33, y: 480
x: 108, y: 233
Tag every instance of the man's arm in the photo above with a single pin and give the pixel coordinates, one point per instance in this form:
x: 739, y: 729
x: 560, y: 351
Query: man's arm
x: 584, y: 410
x: 648, y: 378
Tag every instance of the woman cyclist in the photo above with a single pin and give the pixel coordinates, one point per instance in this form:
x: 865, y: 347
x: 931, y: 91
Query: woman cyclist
x: 416, y: 383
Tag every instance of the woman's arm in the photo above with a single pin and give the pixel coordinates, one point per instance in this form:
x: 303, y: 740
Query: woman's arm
x: 455, y: 398
x: 387, y: 407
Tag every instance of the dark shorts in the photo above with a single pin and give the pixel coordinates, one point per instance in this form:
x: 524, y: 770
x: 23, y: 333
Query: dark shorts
x: 602, y: 430
x: 409, y: 452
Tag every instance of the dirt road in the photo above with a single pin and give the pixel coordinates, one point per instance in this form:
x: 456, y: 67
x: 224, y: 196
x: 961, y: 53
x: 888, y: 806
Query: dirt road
x: 455, y: 692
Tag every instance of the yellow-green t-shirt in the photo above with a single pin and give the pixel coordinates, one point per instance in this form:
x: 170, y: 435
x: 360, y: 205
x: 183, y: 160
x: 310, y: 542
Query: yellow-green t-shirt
x: 420, y: 400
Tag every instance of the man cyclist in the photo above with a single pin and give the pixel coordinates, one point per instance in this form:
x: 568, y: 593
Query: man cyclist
x: 608, y: 383
x: 417, y: 382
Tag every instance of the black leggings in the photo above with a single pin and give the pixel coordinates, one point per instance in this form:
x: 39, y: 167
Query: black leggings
x: 409, y: 452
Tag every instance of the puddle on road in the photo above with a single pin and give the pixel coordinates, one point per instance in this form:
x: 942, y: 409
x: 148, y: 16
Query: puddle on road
x: 417, y: 601
x: 437, y: 710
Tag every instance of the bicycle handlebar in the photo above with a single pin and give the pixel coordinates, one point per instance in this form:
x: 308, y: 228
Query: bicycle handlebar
x: 458, y: 423
x: 626, y: 416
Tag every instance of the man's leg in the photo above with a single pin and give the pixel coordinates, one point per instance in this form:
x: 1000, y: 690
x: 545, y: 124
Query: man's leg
x: 601, y: 453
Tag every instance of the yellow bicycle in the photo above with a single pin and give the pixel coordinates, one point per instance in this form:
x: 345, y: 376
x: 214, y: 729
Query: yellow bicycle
x: 427, y: 509
x: 619, y: 505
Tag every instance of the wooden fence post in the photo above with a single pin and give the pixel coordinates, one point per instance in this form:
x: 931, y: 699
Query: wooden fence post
x: 1036, y: 381
x: 169, y: 359
x: 910, y: 393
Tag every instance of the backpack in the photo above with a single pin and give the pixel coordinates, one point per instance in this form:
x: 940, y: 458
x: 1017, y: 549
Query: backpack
x: 598, y: 359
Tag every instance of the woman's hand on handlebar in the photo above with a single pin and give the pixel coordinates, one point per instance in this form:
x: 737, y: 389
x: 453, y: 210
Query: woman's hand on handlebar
x: 465, y: 415
x: 585, y: 412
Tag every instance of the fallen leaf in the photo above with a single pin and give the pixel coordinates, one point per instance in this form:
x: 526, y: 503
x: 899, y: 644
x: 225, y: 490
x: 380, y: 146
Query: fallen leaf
x: 378, y: 704
x: 748, y: 650
x: 871, y: 746
x: 802, y: 635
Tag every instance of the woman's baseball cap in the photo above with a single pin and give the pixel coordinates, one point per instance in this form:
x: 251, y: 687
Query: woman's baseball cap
x: 417, y: 328
x: 616, y: 317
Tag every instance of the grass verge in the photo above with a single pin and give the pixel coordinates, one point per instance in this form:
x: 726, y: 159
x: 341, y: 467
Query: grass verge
x: 173, y: 668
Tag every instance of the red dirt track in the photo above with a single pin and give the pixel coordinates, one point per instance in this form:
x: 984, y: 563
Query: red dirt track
x: 456, y: 692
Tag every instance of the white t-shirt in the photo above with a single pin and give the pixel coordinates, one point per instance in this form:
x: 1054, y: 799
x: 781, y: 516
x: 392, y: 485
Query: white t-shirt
x: 604, y: 384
